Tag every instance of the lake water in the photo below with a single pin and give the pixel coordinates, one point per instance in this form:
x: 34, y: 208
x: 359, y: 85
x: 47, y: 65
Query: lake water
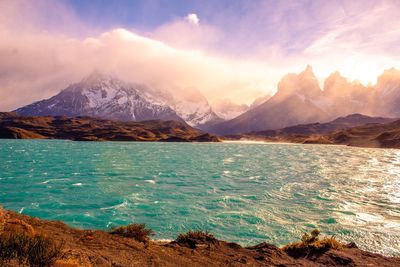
x: 247, y: 193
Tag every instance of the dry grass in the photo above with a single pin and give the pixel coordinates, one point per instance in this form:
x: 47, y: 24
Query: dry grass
x: 28, y: 250
x: 312, y: 244
x: 193, y: 238
x: 137, y: 231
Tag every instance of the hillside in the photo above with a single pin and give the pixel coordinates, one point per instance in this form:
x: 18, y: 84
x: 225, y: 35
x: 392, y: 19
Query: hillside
x: 353, y: 130
x: 91, y: 129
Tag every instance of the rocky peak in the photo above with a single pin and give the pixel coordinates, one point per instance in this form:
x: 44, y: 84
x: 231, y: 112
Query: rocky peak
x: 335, y: 84
x: 304, y: 84
x: 389, y: 76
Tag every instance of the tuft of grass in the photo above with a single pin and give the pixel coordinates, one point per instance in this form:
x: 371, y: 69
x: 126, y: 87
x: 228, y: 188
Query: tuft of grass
x: 312, y: 244
x: 193, y: 238
x: 34, y: 251
x: 137, y: 231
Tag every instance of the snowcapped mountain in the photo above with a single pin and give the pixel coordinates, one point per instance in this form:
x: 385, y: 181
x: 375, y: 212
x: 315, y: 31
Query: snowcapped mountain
x: 190, y: 105
x: 105, y: 96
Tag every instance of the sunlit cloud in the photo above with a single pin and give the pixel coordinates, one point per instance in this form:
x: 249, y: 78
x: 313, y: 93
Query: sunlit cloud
x: 236, y: 56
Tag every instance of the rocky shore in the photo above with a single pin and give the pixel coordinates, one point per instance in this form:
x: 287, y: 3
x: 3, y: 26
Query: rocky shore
x: 131, y: 247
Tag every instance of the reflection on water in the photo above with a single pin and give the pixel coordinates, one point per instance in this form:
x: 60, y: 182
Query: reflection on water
x: 246, y: 193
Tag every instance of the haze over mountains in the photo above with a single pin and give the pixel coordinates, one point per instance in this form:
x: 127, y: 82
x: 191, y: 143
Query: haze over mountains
x: 299, y: 100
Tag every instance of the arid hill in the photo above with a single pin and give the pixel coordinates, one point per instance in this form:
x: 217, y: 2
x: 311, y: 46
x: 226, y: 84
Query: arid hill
x: 65, y: 246
x: 91, y: 129
x: 353, y: 130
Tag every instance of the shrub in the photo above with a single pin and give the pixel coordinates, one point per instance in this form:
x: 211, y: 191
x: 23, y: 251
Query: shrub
x: 312, y: 244
x: 43, y: 251
x: 137, y: 231
x: 193, y: 238
x: 36, y: 250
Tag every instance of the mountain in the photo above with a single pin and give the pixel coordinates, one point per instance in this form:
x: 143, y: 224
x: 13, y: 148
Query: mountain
x: 227, y: 110
x: 388, y: 93
x: 191, y: 106
x: 92, y: 129
x: 344, y: 97
x: 298, y: 100
x: 104, y: 96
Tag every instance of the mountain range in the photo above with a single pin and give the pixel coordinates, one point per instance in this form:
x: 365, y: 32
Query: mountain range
x: 299, y: 99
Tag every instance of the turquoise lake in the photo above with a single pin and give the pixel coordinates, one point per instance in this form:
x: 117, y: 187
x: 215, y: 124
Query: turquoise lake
x: 246, y: 193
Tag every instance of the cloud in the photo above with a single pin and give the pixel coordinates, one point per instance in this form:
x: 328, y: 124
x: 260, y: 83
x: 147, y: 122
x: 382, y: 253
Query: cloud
x: 239, y: 54
x: 37, y: 65
x: 192, y: 19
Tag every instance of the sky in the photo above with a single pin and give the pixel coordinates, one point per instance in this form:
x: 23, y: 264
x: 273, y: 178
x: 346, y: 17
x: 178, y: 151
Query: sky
x: 227, y: 49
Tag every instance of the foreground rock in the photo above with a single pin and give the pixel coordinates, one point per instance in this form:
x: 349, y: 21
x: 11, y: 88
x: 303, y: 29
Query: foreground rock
x: 99, y: 248
x: 91, y: 129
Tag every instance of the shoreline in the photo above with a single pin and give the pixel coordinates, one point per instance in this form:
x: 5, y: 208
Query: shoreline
x: 102, y: 248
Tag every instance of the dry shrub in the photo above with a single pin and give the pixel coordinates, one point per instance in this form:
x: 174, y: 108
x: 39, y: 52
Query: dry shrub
x: 137, y: 231
x: 312, y: 244
x: 33, y: 251
x: 193, y: 238
x: 16, y: 225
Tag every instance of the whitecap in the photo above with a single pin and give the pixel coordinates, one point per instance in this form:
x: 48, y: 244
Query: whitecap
x: 52, y: 180
x: 77, y: 184
x: 228, y: 160
x: 367, y: 217
x: 118, y: 206
x: 150, y: 181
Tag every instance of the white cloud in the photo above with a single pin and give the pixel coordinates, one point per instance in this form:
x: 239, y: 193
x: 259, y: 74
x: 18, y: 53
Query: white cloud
x: 192, y: 18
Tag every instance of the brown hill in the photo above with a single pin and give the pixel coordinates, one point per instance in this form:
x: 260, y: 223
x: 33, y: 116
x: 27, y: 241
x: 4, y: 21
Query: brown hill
x: 353, y: 130
x: 91, y: 129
